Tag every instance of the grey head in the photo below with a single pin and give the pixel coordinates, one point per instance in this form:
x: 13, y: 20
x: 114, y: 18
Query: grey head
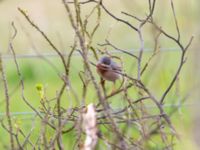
x: 105, y: 60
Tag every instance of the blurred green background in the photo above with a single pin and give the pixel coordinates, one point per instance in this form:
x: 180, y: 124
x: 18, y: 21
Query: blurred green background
x: 51, y: 17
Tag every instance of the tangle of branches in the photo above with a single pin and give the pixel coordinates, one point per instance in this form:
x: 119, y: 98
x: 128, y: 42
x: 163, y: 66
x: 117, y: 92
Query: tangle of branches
x: 99, y: 125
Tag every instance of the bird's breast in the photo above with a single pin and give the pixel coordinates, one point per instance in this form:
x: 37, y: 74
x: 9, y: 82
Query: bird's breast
x: 107, y: 73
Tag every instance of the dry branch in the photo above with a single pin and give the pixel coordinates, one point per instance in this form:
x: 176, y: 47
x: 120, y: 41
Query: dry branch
x: 90, y: 128
x: 99, y: 121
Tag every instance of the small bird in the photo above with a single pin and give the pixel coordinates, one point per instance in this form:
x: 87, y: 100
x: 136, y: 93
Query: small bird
x: 108, y: 69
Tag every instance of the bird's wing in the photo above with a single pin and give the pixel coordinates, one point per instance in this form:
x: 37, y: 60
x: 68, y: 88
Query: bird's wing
x: 116, y: 67
x: 103, y: 66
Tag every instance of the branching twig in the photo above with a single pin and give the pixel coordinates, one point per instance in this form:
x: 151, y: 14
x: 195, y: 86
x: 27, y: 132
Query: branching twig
x: 103, y: 120
x: 7, y: 98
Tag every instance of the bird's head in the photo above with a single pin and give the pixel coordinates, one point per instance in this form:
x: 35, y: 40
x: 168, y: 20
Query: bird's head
x: 105, y: 60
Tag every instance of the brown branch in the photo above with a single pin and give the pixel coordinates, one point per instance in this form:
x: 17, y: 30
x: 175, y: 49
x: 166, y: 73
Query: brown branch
x: 59, y: 127
x: 175, y: 19
x: 118, y: 19
x: 177, y: 72
x: 87, y: 65
x: 22, y: 82
x: 45, y: 37
x: 7, y: 98
x: 154, y: 53
x: 108, y: 43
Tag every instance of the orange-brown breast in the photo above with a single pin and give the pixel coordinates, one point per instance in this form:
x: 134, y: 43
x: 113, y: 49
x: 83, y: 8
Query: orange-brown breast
x: 101, y: 69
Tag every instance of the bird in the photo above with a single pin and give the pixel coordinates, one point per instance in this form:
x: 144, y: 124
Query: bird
x: 108, y: 69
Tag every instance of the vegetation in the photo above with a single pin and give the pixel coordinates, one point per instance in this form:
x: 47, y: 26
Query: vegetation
x: 51, y: 92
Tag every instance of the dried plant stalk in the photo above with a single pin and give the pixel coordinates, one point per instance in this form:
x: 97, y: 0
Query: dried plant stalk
x: 90, y: 127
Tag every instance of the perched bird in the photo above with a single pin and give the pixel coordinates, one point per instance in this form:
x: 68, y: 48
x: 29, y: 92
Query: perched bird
x: 108, y: 69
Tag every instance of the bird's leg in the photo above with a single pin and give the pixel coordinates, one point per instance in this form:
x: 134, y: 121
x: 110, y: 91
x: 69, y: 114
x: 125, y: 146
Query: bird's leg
x: 102, y: 82
x: 114, y: 87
